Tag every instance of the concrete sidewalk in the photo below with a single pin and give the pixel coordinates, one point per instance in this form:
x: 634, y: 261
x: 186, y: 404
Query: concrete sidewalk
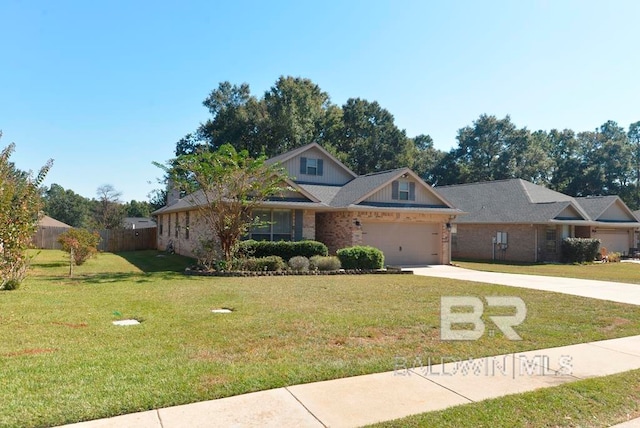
x: 407, y: 390
x: 604, y: 290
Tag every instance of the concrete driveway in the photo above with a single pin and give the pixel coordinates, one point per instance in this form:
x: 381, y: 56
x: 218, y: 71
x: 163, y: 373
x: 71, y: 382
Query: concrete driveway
x: 605, y: 290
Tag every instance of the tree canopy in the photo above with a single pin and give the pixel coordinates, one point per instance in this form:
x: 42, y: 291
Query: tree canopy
x: 361, y: 133
x: 226, y: 185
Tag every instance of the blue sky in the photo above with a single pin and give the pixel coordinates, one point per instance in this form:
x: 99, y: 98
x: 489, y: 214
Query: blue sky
x: 107, y: 87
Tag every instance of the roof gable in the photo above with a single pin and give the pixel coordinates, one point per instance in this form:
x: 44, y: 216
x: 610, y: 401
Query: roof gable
x: 510, y: 201
x: 569, y: 212
x: 607, y: 209
x: 370, y: 189
x: 334, y: 171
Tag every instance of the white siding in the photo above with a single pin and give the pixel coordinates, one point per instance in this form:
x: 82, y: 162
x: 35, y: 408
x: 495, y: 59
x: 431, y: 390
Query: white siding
x: 332, y: 173
x: 423, y: 196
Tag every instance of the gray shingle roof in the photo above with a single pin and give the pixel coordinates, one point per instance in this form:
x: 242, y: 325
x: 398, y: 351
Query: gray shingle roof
x: 363, y: 185
x: 596, y: 205
x: 508, y: 201
x: 325, y: 193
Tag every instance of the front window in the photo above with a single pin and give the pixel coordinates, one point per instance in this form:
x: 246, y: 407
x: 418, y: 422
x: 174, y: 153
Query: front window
x: 275, y: 225
x: 403, y: 190
x: 312, y: 166
x: 551, y: 238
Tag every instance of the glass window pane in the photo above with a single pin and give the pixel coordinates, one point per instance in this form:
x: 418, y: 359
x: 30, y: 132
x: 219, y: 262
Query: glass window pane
x: 265, y: 218
x: 282, y: 222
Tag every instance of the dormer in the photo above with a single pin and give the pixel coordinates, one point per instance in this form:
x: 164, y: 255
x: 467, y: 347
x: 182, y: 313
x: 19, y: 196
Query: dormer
x: 312, y: 164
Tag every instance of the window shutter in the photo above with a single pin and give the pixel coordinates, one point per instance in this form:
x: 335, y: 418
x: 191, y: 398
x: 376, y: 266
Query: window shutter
x: 319, y: 167
x: 297, y: 233
x: 303, y: 165
x: 412, y: 191
x: 394, y: 190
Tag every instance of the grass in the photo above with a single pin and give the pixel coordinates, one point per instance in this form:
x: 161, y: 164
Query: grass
x: 598, y: 402
x: 617, y: 272
x: 63, y: 361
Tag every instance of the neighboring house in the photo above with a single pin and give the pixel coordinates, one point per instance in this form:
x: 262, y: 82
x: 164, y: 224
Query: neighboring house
x: 138, y: 222
x: 521, y: 221
x: 394, y: 211
x: 49, y: 229
x: 47, y: 221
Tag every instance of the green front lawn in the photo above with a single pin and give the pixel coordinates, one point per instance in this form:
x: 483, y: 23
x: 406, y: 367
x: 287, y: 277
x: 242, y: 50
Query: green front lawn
x: 62, y: 360
x: 617, y: 272
x: 598, y: 402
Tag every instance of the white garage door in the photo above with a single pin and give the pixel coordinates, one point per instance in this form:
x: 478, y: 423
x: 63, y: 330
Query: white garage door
x: 613, y: 241
x: 404, y: 244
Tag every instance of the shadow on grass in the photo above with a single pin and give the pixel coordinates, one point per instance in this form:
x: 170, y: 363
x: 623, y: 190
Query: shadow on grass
x: 151, y: 261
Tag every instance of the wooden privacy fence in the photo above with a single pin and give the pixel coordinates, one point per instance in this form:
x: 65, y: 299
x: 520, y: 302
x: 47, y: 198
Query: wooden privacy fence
x: 114, y: 240
x: 47, y: 237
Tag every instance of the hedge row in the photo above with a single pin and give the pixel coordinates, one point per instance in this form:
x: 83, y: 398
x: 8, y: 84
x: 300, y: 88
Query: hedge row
x: 361, y: 257
x: 283, y: 249
x: 580, y: 250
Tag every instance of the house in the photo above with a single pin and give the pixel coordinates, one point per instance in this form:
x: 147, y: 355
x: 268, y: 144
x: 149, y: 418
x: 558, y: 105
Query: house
x: 521, y: 221
x: 49, y: 229
x: 138, y: 222
x: 394, y: 211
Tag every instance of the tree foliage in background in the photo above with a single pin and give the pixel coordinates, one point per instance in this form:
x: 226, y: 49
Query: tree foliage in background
x: 67, y: 206
x: 226, y: 185
x: 295, y: 112
x: 108, y: 210
x: 20, y: 205
x: 78, y: 211
x: 363, y: 135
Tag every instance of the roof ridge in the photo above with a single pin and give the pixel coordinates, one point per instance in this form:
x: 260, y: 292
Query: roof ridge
x: 382, y: 172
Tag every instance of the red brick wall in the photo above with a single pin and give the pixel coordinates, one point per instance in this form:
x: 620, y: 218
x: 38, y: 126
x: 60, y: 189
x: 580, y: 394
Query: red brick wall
x: 474, y: 241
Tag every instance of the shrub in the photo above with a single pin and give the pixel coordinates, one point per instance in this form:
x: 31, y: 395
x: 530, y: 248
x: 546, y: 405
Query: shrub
x: 80, y: 244
x: 260, y: 264
x: 361, y: 257
x: 613, y: 257
x: 579, y: 250
x: 299, y: 263
x: 324, y: 263
x: 284, y: 249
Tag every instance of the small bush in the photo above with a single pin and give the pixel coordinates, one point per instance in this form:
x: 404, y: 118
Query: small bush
x: 299, y: 263
x: 260, y: 264
x: 613, y: 257
x: 361, y: 257
x: 328, y: 263
x: 284, y: 249
x: 580, y: 250
x: 80, y: 244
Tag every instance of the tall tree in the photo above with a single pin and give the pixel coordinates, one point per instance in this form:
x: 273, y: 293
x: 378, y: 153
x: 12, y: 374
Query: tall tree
x: 296, y: 110
x: 137, y: 209
x: 370, y: 138
x: 425, y: 158
x: 108, y: 210
x: 237, y: 118
x: 20, y: 204
x: 66, y: 206
x: 481, y: 154
x: 227, y: 186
